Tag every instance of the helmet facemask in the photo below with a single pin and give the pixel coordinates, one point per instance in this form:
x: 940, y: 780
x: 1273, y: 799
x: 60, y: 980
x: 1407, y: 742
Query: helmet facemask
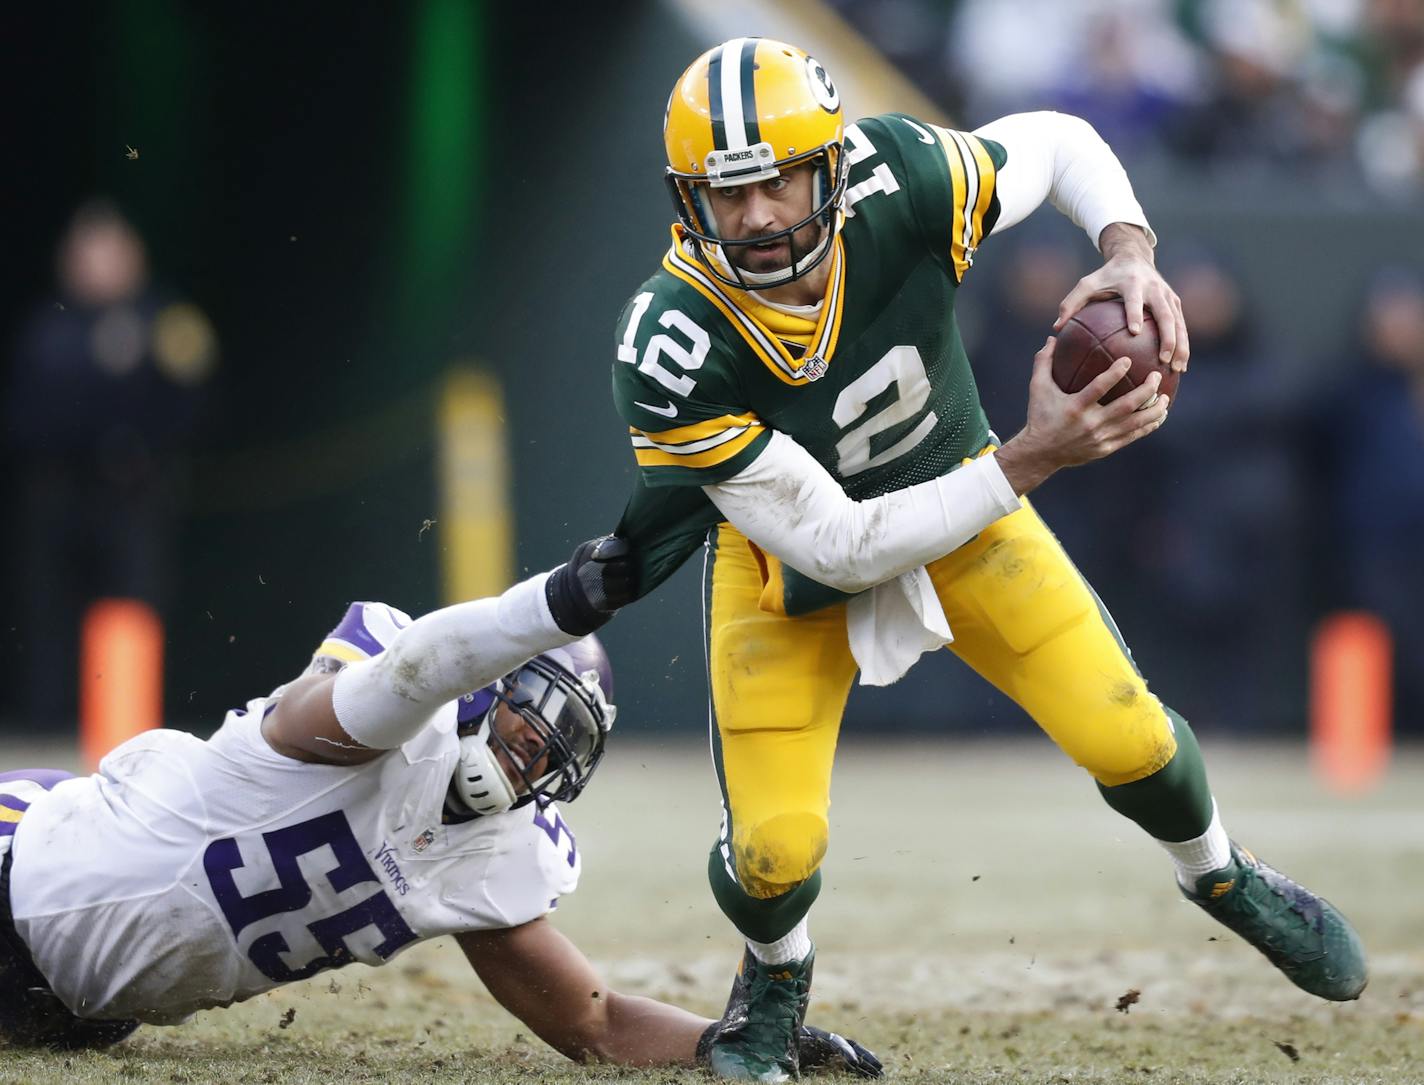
x: 564, y: 722
x: 689, y: 196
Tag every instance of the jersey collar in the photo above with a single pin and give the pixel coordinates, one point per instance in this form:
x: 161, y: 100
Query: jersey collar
x: 751, y: 318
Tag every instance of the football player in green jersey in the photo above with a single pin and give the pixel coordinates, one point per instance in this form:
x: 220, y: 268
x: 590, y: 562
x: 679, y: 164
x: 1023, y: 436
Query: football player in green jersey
x: 800, y: 403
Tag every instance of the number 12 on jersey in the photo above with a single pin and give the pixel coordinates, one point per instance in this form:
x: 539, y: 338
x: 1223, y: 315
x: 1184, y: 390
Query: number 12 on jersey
x: 688, y: 358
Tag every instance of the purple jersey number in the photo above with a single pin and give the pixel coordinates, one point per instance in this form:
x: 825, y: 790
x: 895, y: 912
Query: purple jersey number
x: 292, y: 893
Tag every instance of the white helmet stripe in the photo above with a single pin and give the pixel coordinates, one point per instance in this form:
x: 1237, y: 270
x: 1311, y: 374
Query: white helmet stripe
x: 731, y: 64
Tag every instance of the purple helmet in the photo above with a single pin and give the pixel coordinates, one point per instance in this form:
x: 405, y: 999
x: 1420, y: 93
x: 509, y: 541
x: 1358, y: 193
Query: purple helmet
x: 565, y: 697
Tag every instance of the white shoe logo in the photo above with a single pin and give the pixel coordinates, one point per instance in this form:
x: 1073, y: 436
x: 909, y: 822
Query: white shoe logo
x: 669, y: 411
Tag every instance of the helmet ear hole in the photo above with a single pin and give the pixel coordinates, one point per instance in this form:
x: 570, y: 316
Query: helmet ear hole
x: 706, y: 218
x: 480, y: 782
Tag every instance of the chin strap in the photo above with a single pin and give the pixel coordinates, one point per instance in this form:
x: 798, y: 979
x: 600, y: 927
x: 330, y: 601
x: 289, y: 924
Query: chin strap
x: 768, y: 279
x: 480, y: 781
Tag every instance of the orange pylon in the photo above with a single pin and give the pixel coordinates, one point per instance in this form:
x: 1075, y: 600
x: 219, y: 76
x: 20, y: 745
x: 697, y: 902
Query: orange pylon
x: 1351, y: 700
x: 120, y: 675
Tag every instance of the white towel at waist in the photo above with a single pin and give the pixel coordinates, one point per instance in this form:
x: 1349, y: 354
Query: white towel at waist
x: 893, y: 624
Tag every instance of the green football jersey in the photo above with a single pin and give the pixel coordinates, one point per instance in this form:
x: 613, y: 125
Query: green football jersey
x: 881, y: 393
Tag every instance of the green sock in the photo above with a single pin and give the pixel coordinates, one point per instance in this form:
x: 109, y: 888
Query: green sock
x: 760, y: 920
x: 1174, y: 803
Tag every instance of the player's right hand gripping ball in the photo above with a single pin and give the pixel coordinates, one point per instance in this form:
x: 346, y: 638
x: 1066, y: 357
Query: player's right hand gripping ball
x: 1096, y: 337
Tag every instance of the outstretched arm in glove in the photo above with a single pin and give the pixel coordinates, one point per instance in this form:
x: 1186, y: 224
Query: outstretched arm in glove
x: 380, y: 703
x: 542, y: 978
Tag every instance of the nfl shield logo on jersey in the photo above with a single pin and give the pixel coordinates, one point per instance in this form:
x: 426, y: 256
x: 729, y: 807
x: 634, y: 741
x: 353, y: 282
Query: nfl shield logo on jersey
x: 424, y: 840
x: 814, y: 368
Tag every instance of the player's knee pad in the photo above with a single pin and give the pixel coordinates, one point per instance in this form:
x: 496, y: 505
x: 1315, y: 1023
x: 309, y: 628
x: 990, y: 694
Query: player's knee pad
x: 774, y: 856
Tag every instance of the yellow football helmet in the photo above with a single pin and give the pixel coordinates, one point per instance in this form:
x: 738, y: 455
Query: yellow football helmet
x: 741, y: 113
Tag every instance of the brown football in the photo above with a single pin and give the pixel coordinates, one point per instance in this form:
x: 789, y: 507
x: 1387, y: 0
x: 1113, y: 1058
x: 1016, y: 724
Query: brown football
x: 1096, y: 337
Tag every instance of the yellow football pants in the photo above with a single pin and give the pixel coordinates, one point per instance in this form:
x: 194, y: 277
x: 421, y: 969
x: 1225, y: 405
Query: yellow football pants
x: 1022, y: 617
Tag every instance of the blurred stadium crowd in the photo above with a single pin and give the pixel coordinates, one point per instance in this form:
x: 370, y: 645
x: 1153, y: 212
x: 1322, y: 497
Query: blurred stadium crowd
x: 1333, y: 88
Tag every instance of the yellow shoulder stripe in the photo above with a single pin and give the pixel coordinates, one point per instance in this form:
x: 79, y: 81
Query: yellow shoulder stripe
x: 987, y: 176
x: 339, y: 649
x: 971, y: 193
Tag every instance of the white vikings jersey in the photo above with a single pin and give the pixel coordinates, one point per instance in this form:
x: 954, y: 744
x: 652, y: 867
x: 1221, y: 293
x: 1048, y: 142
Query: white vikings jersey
x: 188, y: 874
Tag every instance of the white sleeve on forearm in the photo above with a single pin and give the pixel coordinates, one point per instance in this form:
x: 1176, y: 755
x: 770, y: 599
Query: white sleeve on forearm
x: 1062, y: 158
x: 790, y: 506
x: 383, y: 701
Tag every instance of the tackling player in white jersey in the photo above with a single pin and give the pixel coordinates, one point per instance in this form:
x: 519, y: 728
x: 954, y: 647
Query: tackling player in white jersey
x: 373, y: 802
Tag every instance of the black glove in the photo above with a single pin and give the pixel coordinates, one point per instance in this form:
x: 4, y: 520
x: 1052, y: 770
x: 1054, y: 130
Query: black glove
x: 825, y: 1051
x: 598, y: 579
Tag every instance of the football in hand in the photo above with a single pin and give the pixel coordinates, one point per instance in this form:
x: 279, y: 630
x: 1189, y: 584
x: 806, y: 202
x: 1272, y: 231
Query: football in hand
x: 1096, y: 337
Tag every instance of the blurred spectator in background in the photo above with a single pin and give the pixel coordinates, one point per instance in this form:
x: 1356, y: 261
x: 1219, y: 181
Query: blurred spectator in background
x: 103, y: 398
x: 1275, y: 93
x: 1132, y: 75
x: 1375, y: 433
x: 1222, y: 555
x: 1333, y: 87
x: 1391, y: 142
x: 1124, y: 65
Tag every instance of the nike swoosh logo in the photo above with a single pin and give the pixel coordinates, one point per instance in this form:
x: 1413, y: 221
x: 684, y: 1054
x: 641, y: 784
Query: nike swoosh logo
x: 924, y: 136
x: 669, y: 411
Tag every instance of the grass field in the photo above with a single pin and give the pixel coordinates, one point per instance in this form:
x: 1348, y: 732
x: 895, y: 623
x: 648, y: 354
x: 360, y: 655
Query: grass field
x: 983, y: 914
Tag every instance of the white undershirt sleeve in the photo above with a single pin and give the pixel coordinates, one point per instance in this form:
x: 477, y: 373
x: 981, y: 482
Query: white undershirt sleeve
x: 1061, y: 158
x: 790, y: 506
x: 383, y: 701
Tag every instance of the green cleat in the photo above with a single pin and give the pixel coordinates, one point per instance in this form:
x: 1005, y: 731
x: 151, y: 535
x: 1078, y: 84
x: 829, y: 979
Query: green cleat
x: 1301, y: 934
x: 756, y: 1040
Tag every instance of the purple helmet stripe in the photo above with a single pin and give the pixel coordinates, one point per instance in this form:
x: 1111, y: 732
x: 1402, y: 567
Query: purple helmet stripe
x: 471, y: 708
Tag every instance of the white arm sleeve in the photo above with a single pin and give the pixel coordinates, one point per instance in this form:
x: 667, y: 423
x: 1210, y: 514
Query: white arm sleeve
x: 1061, y: 158
x: 790, y: 506
x: 383, y: 701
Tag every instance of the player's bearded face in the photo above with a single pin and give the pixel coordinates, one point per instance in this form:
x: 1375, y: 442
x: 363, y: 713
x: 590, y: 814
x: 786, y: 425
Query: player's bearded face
x: 762, y: 208
x: 521, y: 738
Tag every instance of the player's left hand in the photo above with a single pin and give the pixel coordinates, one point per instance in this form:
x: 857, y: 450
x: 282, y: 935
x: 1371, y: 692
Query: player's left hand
x: 819, y: 1050
x: 1130, y: 273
